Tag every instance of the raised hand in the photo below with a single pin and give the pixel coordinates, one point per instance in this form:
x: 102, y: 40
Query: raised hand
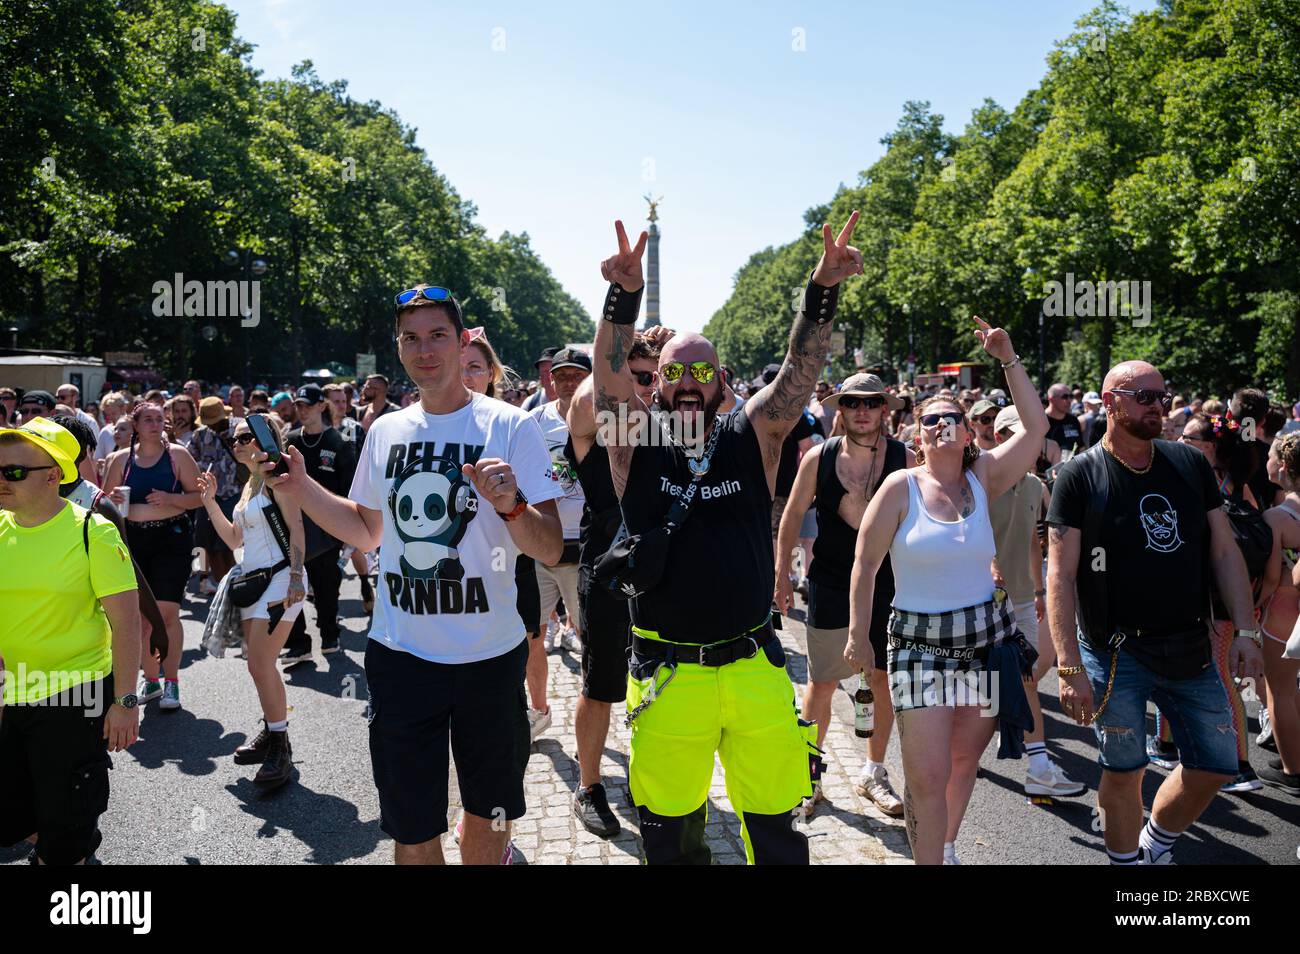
x: 994, y: 340
x: 839, y: 258
x: 624, y: 269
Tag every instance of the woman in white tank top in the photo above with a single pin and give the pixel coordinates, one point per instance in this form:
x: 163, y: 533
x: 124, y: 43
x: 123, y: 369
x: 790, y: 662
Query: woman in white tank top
x: 282, y: 598
x: 933, y: 522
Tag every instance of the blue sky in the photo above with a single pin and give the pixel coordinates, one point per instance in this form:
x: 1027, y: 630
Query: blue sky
x: 555, y: 118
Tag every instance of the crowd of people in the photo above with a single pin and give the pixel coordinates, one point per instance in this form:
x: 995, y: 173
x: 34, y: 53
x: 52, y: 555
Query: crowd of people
x: 947, y: 547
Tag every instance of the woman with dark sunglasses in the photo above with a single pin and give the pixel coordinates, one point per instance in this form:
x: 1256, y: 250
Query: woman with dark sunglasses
x: 933, y: 522
x: 252, y: 530
x: 157, y: 482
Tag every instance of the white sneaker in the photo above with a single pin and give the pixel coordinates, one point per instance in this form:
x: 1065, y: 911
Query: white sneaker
x: 1053, y: 782
x: 809, y: 804
x: 171, y: 695
x: 876, y: 789
x: 149, y: 690
x: 569, y: 640
x: 950, y: 856
x: 538, y: 722
x: 548, y: 638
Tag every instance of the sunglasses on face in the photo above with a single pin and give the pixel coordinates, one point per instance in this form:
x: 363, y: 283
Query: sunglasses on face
x: 17, y: 472
x: 701, y: 371
x: 853, y: 403
x: 1146, y: 397
x: 245, y: 438
x: 644, y: 378
x: 946, y: 417
x: 987, y: 419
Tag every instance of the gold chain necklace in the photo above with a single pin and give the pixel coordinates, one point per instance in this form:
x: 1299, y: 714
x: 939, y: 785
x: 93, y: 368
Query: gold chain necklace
x: 1105, y: 443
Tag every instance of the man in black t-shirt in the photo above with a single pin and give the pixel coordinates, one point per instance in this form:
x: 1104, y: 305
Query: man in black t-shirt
x: 606, y: 625
x: 707, y: 669
x: 1137, y: 527
x: 331, y: 462
x: 1062, y: 426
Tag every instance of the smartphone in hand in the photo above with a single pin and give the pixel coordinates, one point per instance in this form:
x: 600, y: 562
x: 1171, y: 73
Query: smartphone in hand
x: 265, y: 440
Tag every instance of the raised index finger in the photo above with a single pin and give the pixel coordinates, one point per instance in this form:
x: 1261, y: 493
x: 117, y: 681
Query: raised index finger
x: 847, y: 232
x: 622, y: 237
x: 983, y: 325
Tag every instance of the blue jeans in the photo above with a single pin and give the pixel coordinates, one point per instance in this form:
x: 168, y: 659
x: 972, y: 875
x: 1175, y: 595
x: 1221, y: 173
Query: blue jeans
x: 1197, y: 709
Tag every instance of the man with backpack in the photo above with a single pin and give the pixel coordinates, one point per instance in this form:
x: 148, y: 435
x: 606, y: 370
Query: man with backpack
x: 1138, y: 527
x: 71, y: 635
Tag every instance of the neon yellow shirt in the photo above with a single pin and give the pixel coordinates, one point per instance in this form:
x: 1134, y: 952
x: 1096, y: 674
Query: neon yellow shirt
x: 53, y: 631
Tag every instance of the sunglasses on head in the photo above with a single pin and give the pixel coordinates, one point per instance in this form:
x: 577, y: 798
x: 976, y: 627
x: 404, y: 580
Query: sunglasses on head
x: 432, y: 293
x: 937, y: 418
x: 1146, y: 397
x: 853, y: 403
x: 16, y: 472
x: 644, y: 378
x: 701, y: 371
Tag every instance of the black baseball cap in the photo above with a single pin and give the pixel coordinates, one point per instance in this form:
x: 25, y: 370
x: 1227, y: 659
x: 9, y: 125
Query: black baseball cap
x: 309, y: 394
x: 570, y: 358
x: 44, y: 398
x: 548, y: 354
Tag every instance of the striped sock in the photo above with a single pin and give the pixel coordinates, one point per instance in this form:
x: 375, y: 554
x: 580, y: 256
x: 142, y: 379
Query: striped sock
x: 1122, y: 857
x: 1038, y: 760
x: 1155, y: 840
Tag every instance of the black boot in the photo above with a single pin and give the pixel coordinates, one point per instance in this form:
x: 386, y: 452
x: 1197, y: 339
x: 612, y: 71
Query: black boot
x: 367, y: 594
x: 253, y: 752
x: 278, y: 766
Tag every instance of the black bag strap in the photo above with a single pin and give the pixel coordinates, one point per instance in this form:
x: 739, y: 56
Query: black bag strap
x: 681, y: 507
x: 85, y: 529
x: 275, y: 520
x: 1094, y: 613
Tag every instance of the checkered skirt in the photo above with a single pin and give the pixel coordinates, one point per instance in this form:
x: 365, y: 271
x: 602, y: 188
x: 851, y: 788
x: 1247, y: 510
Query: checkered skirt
x: 934, y: 676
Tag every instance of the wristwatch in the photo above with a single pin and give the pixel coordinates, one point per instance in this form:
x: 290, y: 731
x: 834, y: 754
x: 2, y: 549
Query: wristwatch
x: 1252, y: 635
x: 521, y: 504
x: 128, y: 701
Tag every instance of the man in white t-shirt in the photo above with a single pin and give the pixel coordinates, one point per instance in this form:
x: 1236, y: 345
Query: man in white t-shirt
x: 451, y: 489
x: 569, y: 368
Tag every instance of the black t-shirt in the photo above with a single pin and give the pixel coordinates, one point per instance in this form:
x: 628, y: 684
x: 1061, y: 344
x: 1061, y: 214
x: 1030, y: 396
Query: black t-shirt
x: 1067, y: 432
x: 600, y: 512
x: 330, y: 460
x: 1153, y: 534
x: 720, y: 574
x: 789, y: 465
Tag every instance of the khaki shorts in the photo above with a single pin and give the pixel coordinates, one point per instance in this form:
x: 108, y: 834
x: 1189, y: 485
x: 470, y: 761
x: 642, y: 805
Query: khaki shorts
x: 826, y: 654
x: 1027, y: 622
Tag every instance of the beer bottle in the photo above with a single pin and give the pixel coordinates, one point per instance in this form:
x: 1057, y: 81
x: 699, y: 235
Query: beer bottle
x: 864, y: 709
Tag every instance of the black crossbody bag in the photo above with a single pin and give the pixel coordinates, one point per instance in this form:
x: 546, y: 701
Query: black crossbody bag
x: 634, y: 565
x: 248, y: 589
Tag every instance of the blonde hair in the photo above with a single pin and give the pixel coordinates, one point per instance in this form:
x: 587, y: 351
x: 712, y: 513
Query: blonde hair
x: 496, y: 370
x: 255, y: 480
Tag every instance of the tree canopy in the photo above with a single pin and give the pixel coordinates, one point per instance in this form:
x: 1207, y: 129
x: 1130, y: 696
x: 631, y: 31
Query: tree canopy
x: 140, y: 143
x: 1162, y: 147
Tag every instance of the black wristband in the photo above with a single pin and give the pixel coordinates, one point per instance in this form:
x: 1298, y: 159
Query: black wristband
x: 621, y: 306
x: 820, y: 302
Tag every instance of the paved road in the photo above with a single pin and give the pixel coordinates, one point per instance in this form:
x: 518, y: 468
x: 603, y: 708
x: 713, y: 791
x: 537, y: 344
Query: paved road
x: 179, y: 799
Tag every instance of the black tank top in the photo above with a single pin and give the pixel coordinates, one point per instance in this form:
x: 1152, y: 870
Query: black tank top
x: 600, y: 514
x: 720, y: 573
x: 836, y: 541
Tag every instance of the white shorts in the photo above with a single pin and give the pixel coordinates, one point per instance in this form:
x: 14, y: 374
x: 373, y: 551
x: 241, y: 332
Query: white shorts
x: 554, y: 583
x: 276, y: 591
x: 1027, y: 622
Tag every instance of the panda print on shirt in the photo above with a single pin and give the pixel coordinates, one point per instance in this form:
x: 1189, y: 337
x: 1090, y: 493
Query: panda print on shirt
x: 431, y: 510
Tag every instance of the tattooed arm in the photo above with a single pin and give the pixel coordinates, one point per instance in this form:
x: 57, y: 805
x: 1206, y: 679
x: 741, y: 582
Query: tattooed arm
x: 612, y: 386
x: 774, y: 410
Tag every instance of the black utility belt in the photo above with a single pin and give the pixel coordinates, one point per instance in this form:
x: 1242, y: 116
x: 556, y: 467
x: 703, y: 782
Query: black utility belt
x: 713, y: 654
x: 154, y: 524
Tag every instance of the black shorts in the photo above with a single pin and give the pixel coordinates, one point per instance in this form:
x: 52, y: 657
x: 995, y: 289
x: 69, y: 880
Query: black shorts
x: 828, y: 608
x: 528, y: 599
x: 415, y: 705
x: 606, y: 636
x: 164, y: 553
x: 54, y: 766
x: 205, y: 534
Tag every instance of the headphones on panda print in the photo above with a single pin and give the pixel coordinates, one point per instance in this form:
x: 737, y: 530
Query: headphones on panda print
x: 463, y: 500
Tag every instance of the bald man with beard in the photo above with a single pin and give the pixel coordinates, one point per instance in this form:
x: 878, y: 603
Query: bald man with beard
x: 707, y: 670
x: 1138, y: 535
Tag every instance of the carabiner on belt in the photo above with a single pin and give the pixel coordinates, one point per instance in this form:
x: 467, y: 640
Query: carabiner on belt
x: 652, y: 693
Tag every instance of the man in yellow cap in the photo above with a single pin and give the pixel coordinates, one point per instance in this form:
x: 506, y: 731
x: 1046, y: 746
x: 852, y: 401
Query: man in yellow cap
x: 70, y: 633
